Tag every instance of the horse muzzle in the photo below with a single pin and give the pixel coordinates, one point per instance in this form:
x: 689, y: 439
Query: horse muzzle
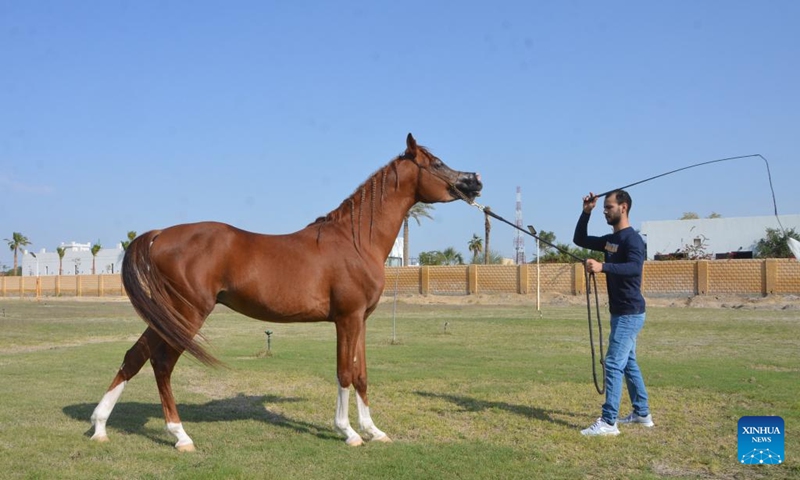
x: 469, y: 185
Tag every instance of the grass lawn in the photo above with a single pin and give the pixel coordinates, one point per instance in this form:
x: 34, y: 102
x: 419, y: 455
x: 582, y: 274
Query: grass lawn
x: 465, y: 391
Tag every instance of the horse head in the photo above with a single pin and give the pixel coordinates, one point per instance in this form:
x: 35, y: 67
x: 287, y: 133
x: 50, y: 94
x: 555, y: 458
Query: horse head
x: 436, y: 182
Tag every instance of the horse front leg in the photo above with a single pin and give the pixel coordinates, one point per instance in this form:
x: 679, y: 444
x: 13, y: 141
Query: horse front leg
x: 342, y: 419
x: 352, y: 370
x: 368, y: 429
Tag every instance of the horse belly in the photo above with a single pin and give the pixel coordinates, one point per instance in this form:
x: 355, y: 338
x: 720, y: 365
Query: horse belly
x: 282, y: 304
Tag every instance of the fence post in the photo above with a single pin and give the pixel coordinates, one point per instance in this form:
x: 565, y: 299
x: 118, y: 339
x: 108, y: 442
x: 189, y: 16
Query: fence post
x: 472, y: 279
x: 424, y: 279
x: 770, y: 276
x: 522, y: 278
x: 701, y: 274
x: 578, y: 279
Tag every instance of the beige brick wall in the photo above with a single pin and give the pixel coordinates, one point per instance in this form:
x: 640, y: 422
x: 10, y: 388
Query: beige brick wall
x: 497, y: 279
x: 787, y: 278
x: 735, y: 277
x: 667, y: 278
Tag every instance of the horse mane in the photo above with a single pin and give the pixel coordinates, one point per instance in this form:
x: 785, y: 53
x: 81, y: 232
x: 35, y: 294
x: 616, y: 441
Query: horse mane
x: 357, y: 198
x: 353, y: 206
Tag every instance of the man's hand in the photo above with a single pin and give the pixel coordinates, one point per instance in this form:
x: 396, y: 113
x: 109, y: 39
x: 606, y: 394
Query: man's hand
x: 589, y: 202
x: 593, y: 266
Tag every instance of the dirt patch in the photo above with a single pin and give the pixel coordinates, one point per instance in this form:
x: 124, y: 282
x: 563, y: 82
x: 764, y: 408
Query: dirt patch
x: 769, y: 302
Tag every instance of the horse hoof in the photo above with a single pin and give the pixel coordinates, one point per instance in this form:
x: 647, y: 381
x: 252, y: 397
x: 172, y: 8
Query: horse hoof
x: 101, y: 439
x: 189, y: 447
x: 383, y: 439
x: 354, y: 441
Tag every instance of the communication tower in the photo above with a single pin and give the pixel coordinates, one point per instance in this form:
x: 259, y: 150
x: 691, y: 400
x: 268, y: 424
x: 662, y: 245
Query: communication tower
x: 519, y: 240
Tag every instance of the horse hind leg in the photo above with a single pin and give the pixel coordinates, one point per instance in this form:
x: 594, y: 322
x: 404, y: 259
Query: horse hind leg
x: 134, y: 359
x: 163, y: 361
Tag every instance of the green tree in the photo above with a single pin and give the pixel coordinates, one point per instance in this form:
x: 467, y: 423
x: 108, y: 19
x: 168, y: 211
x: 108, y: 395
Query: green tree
x: 559, y: 256
x: 495, y: 258
x: 689, y: 216
x: 15, y: 243
x: 475, y: 246
x: 417, y: 212
x: 450, y: 256
x: 776, y: 244
x: 714, y: 215
x: 127, y: 243
x: 95, y: 249
x: 61, y: 251
x: 434, y: 257
x: 549, y: 237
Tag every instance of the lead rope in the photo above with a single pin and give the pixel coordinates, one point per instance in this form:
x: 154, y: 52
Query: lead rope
x: 591, y: 280
x: 589, y: 277
x: 591, y: 284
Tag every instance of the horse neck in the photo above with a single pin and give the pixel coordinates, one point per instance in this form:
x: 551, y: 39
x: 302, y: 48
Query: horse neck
x: 373, y: 214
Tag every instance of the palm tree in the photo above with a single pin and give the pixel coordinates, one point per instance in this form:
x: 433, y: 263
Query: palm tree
x: 450, y: 256
x: 495, y: 258
x: 475, y: 246
x: 61, y: 251
x: 545, y: 236
x: 488, y: 228
x: 16, y: 242
x: 126, y: 243
x: 95, y: 248
x: 418, y: 211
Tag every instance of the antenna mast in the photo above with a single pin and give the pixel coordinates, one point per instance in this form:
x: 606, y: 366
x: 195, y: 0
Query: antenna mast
x: 519, y: 240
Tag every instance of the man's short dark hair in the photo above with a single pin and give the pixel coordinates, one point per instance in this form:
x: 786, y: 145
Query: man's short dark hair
x: 621, y: 196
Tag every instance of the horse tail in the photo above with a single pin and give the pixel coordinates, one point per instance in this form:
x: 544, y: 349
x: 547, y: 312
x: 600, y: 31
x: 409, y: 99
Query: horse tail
x: 152, y: 296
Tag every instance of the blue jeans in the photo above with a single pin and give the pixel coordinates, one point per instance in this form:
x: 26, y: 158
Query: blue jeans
x: 620, y: 362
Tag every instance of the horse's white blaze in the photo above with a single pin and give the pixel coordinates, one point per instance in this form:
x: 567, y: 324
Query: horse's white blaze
x: 368, y: 428
x: 103, y: 410
x: 177, y: 430
x: 341, y: 420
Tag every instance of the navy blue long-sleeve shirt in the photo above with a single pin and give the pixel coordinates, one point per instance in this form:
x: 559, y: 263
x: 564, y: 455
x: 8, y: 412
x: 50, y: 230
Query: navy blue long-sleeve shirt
x: 624, y: 259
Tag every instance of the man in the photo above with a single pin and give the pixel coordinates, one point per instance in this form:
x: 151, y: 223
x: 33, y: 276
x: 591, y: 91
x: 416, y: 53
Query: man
x: 624, y: 258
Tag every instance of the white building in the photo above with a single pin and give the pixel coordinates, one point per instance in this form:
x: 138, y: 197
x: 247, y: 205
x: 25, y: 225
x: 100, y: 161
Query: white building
x: 719, y: 235
x: 395, y: 258
x: 77, y: 260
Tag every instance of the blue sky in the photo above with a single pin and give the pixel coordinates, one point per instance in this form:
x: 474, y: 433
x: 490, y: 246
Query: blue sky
x: 118, y: 116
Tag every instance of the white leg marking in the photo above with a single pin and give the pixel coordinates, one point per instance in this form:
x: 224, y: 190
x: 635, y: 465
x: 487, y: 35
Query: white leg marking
x: 368, y: 428
x: 342, y: 421
x: 184, y: 444
x: 103, y: 410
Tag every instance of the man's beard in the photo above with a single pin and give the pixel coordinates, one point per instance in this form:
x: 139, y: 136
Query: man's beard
x: 612, y: 220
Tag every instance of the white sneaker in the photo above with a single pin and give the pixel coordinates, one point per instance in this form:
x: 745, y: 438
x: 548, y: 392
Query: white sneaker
x: 633, y: 418
x: 600, y: 427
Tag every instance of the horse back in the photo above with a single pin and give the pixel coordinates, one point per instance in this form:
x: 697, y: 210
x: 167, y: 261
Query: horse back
x: 282, y: 278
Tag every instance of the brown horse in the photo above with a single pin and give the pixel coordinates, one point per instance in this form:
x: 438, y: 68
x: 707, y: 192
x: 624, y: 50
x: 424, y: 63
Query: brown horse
x: 330, y: 271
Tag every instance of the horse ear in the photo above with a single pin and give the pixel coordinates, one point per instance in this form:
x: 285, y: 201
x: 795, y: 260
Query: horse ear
x: 411, y: 146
